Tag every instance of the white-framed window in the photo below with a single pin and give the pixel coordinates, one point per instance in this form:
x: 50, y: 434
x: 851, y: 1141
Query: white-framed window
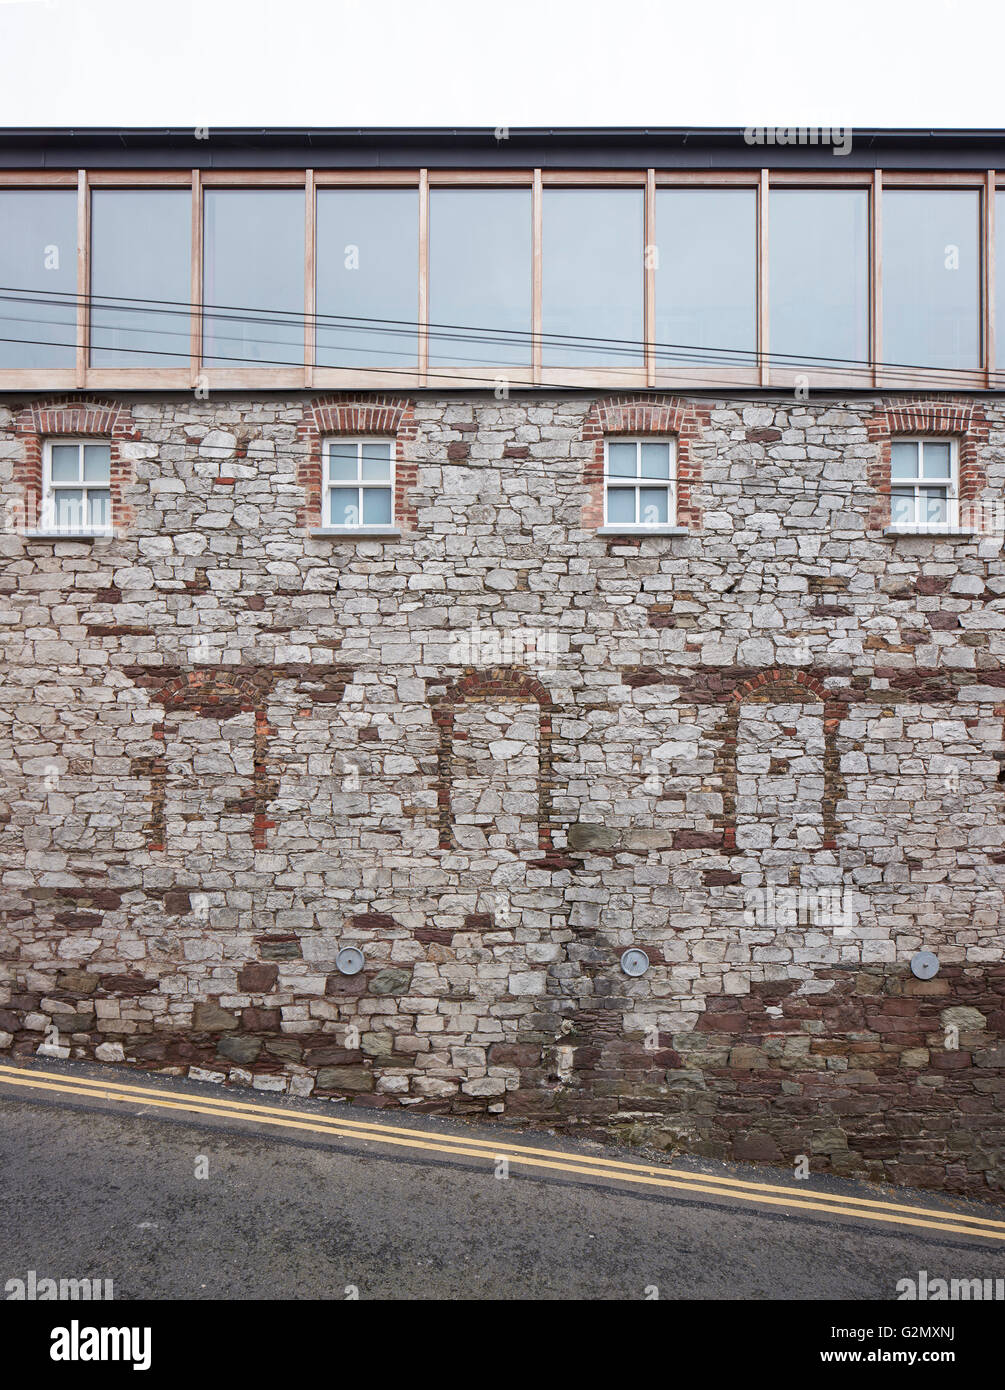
x: 76, y: 482
x: 640, y: 482
x: 358, y: 484
x: 924, y: 486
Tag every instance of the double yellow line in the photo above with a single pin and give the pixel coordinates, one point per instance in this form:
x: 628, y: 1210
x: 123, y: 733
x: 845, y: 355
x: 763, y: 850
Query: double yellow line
x: 460, y: 1146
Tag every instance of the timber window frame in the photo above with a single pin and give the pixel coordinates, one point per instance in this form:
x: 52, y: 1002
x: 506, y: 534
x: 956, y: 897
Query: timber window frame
x: 639, y: 491
x: 360, y: 467
x: 89, y: 497
x: 916, y: 490
x: 656, y: 365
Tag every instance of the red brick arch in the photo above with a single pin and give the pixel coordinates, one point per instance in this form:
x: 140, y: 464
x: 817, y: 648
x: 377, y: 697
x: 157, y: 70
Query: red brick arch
x: 69, y: 417
x: 663, y: 415
x: 499, y: 683
x: 354, y: 415
x: 779, y: 686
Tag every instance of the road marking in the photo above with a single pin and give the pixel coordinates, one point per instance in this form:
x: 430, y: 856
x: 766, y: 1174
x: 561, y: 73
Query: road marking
x: 365, y: 1130
x: 458, y: 1146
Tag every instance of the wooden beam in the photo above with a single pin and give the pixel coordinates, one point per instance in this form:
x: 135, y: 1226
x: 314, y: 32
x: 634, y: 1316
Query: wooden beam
x: 763, y: 342
x: 83, y: 277
x: 310, y: 281
x: 988, y: 286
x: 537, y: 286
x: 423, y: 274
x: 876, y: 278
x: 649, y: 277
x: 195, y: 280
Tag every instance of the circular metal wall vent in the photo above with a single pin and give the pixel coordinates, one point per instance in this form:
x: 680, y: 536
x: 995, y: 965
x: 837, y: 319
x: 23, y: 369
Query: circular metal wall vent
x: 349, y: 961
x: 634, y: 961
x: 925, y: 964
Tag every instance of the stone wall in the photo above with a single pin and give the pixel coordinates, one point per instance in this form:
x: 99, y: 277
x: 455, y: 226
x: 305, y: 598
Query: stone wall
x: 497, y: 751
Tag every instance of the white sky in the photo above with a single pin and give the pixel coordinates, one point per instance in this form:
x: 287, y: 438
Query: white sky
x: 501, y: 62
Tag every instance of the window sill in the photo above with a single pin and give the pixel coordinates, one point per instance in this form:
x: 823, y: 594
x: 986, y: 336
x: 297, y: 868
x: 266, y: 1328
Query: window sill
x: 69, y: 535
x: 643, y: 531
x: 356, y: 533
x: 952, y: 533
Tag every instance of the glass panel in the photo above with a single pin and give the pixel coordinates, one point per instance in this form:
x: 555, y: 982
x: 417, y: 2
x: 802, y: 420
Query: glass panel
x: 345, y: 507
x: 377, y: 460
x: 343, y: 462
x: 902, y: 507
x: 706, y: 276
x: 655, y: 460
x: 254, y: 269
x: 69, y: 509
x: 622, y: 460
x: 653, y: 506
x: 367, y: 277
x: 593, y: 274
x: 621, y: 504
x: 904, y: 461
x: 65, y: 463
x: 931, y: 270
x: 99, y: 509
x: 141, y: 247
x: 97, y: 463
x: 376, y: 506
x: 936, y: 508
x: 818, y: 281
x: 936, y: 460
x: 38, y: 278
x: 480, y: 275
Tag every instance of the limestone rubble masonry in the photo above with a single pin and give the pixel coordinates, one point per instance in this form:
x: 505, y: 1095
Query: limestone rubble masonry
x: 231, y: 748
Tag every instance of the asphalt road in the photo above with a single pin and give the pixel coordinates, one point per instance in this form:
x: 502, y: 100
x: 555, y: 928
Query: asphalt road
x: 99, y: 1189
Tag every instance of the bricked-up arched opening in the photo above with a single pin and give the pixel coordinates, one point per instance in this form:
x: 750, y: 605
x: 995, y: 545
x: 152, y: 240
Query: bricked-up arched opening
x: 499, y: 685
x: 223, y: 693
x: 656, y: 415
x: 779, y: 687
x: 71, y: 418
x: 352, y: 415
x: 964, y: 420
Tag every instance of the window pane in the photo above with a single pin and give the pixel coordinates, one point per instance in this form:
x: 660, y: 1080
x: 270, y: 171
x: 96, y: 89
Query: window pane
x: 345, y: 507
x: 902, y: 507
x: 99, y: 509
x: 65, y: 463
x: 621, y: 504
x: 141, y: 250
x: 653, y: 506
x: 936, y: 460
x: 97, y: 463
x: 254, y: 267
x: 818, y: 281
x: 38, y: 261
x: 376, y: 506
x: 706, y: 275
x: 904, y: 461
x: 480, y: 275
x: 622, y: 460
x: 343, y: 462
x: 378, y: 453
x: 376, y: 470
x: 69, y: 509
x: 593, y: 272
x: 368, y: 275
x: 655, y: 460
x: 935, y: 505
x: 930, y: 278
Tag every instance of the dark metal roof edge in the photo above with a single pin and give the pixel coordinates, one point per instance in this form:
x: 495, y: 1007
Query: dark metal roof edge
x: 920, y: 135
